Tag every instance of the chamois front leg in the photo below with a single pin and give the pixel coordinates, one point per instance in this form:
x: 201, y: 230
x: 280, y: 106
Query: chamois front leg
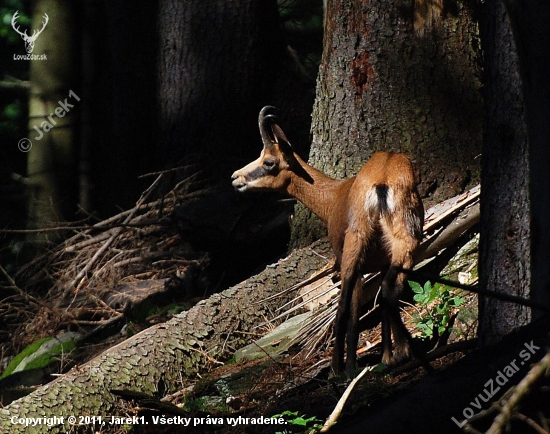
x: 340, y: 325
x: 347, y: 314
x: 352, y: 336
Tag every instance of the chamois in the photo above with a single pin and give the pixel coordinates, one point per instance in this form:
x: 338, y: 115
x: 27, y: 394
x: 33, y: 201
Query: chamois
x: 374, y: 223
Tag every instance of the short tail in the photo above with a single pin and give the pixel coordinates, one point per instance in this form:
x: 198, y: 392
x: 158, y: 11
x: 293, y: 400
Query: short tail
x: 382, y: 199
x: 385, y: 198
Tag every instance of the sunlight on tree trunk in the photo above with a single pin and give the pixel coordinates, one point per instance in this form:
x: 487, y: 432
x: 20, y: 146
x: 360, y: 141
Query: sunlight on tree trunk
x: 51, y: 166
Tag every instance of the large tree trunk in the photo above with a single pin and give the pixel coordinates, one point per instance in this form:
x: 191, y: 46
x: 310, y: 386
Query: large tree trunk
x: 216, y: 66
x: 167, y: 354
x: 532, y: 36
x: 52, y: 168
x: 381, y: 87
x: 119, y: 59
x: 190, y: 81
x: 505, y: 262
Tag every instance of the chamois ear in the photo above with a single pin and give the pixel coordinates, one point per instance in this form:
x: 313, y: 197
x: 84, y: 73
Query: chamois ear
x: 286, y: 149
x: 281, y: 139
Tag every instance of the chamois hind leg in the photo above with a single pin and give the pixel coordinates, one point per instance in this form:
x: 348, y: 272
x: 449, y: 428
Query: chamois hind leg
x: 389, y: 305
x: 347, y: 311
x: 392, y: 288
x: 401, y: 335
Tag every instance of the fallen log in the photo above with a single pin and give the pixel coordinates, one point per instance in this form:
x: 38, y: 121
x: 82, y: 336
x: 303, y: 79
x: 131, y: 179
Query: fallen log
x: 165, y: 357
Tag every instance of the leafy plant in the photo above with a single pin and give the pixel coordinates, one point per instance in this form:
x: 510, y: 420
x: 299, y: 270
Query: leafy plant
x: 439, y: 300
x: 307, y: 424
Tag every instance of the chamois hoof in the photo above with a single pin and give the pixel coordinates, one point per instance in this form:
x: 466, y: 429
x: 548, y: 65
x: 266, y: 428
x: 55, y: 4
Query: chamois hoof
x: 401, y: 353
x: 388, y: 360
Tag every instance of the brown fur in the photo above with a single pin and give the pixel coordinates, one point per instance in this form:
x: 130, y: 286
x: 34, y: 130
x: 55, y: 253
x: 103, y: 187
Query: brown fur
x: 374, y: 223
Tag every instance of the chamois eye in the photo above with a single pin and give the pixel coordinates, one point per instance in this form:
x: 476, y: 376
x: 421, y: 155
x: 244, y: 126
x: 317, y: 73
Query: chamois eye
x: 269, y: 164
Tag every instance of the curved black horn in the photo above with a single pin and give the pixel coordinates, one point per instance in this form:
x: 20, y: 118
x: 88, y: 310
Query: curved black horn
x: 268, y: 116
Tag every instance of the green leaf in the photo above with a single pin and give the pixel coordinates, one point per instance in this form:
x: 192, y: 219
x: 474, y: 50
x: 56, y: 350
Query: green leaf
x: 416, y: 287
x: 429, y: 332
x: 458, y: 301
x: 300, y: 421
x: 418, y: 298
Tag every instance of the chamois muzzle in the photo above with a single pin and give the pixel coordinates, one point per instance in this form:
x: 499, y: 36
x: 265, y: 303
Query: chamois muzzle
x: 238, y: 182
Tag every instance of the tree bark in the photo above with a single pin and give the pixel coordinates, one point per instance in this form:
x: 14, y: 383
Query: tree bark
x: 505, y: 262
x: 164, y: 356
x: 167, y: 80
x: 380, y: 87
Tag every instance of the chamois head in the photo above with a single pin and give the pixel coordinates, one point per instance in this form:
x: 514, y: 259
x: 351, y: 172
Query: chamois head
x: 271, y: 171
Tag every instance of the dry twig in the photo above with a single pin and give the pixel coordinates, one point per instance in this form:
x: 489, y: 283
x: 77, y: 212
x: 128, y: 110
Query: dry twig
x: 335, y: 415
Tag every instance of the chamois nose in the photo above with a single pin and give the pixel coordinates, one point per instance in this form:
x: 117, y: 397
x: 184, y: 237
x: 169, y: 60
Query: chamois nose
x: 237, y: 181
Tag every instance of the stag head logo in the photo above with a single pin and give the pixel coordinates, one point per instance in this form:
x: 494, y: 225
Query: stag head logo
x: 29, y: 40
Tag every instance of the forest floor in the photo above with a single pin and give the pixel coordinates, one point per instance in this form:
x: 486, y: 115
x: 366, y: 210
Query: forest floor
x: 274, y: 392
x: 298, y: 387
x: 114, y: 278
